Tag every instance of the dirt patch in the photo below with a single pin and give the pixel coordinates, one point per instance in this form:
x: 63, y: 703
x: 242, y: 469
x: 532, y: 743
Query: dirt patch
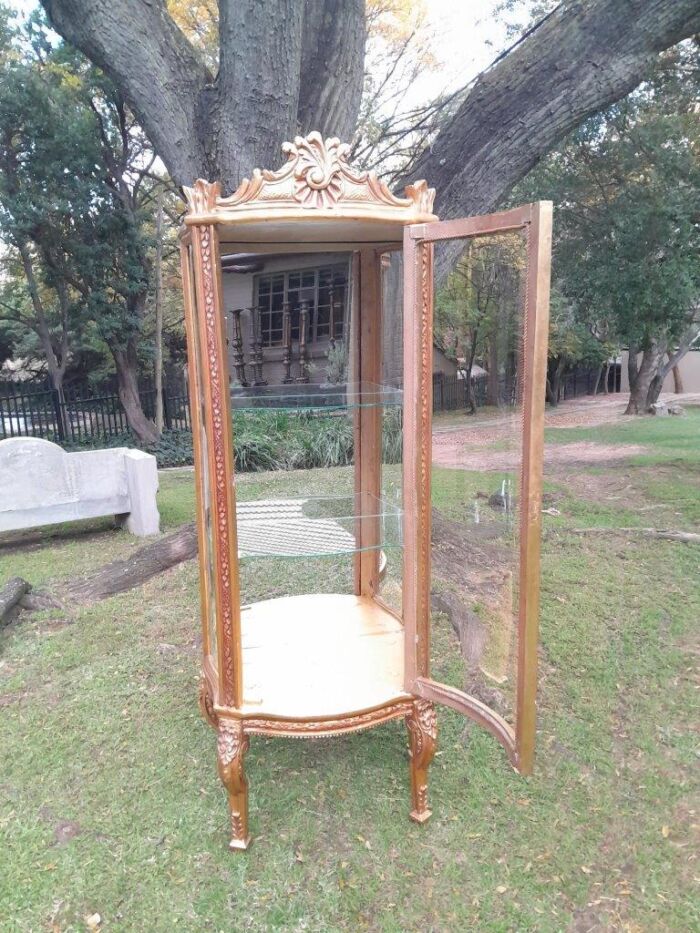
x: 455, y: 454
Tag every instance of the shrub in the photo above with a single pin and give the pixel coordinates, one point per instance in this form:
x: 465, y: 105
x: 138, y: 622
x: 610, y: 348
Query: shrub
x: 269, y: 440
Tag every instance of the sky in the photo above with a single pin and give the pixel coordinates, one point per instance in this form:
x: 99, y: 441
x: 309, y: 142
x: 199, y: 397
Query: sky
x: 468, y: 38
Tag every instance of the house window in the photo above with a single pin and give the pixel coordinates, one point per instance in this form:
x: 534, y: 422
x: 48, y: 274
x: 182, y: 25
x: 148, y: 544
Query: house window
x: 325, y: 290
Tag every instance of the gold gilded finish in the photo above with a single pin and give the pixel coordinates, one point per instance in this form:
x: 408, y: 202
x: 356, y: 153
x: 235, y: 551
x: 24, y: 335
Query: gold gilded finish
x: 316, y: 180
x: 232, y: 744
x: 422, y: 730
x: 370, y: 664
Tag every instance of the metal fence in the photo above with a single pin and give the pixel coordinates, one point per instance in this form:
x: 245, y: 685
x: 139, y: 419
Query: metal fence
x: 78, y: 415
x: 450, y: 391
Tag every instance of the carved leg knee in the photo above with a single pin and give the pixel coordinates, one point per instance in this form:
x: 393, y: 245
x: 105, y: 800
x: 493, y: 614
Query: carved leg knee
x: 232, y: 745
x: 422, y: 734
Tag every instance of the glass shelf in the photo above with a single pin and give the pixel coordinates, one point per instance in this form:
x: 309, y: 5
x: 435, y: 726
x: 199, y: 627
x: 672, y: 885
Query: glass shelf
x: 307, y: 396
x: 316, y: 527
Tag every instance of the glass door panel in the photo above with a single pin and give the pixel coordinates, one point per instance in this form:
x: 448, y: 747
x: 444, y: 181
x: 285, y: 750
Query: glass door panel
x: 485, y: 281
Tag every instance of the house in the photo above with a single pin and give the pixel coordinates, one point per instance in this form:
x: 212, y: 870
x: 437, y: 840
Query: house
x: 285, y: 313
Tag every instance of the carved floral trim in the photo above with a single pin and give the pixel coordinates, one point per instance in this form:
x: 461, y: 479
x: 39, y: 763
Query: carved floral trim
x: 316, y: 175
x: 219, y: 442
x: 301, y: 728
x: 231, y: 741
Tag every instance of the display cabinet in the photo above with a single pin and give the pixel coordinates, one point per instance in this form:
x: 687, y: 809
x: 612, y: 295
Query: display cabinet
x: 347, y: 646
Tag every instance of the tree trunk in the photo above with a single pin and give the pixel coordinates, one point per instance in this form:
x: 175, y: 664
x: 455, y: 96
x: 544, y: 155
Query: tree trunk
x: 606, y: 381
x: 122, y: 575
x: 651, y: 361
x: 677, y: 380
x: 654, y: 391
x: 583, y: 57
x: 597, y: 381
x: 10, y: 595
x: 554, y: 383
x: 158, y: 362
x: 126, y: 364
x: 492, y: 387
x: 632, y: 365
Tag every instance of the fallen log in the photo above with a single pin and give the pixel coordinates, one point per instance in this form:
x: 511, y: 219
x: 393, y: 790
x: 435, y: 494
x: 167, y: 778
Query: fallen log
x: 10, y: 595
x: 148, y: 561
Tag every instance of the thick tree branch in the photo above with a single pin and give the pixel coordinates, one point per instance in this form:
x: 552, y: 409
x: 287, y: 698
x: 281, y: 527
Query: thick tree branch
x: 153, y: 65
x: 331, y: 67
x: 258, y: 85
x: 583, y: 57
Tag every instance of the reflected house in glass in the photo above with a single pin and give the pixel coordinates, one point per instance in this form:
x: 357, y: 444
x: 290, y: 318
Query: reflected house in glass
x: 354, y: 652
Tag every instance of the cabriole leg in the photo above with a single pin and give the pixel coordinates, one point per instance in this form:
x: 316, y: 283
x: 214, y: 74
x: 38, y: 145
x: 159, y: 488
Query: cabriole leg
x: 422, y: 735
x: 232, y: 745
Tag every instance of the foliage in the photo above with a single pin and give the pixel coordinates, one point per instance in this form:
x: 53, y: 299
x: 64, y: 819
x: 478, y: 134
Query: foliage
x: 626, y: 186
x: 268, y: 441
x: 479, y: 308
x: 76, y: 198
x: 600, y: 836
x: 337, y: 363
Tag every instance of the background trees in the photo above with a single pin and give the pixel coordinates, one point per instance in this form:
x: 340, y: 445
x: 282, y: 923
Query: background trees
x: 287, y: 65
x: 76, y: 198
x: 627, y: 245
x: 217, y: 86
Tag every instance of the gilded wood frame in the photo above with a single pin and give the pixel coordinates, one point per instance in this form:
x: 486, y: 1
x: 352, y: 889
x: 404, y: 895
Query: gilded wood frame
x: 208, y: 318
x: 535, y: 220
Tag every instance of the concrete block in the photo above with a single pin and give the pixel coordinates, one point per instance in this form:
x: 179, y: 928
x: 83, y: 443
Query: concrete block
x: 142, y: 482
x: 41, y: 484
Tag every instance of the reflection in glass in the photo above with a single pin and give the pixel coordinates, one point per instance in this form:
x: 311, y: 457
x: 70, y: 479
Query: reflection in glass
x: 478, y: 304
x: 391, y: 566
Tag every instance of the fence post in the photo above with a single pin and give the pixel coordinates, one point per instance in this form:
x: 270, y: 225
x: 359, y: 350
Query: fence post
x: 58, y: 412
x: 166, y: 410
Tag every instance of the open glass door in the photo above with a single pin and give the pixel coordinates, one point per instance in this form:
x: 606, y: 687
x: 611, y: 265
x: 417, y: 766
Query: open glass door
x: 476, y: 310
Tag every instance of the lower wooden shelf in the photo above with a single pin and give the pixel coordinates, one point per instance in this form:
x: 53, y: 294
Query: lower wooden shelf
x: 319, y: 656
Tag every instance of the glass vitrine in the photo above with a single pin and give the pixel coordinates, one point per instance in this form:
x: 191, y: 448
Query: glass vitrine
x: 309, y: 308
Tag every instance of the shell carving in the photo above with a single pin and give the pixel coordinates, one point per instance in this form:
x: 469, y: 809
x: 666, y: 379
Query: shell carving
x: 318, y: 178
x: 316, y: 175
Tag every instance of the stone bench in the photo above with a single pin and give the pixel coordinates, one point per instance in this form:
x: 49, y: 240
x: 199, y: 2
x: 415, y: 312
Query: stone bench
x: 41, y: 484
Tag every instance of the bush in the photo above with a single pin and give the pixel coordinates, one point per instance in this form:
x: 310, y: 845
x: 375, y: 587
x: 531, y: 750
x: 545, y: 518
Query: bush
x: 269, y: 440
x: 173, y: 449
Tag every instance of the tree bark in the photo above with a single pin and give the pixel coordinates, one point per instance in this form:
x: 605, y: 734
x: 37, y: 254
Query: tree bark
x: 158, y: 301
x: 677, y: 380
x: 553, y: 389
x: 10, y: 595
x: 331, y: 83
x: 598, y: 378
x: 56, y: 360
x: 126, y: 364
x: 121, y: 575
x: 582, y: 58
x: 222, y: 127
x: 639, y: 394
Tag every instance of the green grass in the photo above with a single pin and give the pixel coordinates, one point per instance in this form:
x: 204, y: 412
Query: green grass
x: 672, y: 438
x: 110, y: 802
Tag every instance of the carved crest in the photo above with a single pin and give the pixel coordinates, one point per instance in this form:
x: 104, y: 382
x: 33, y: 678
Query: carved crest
x: 316, y: 176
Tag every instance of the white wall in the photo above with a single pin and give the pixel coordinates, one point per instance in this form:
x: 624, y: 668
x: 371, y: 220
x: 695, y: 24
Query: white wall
x: 689, y: 368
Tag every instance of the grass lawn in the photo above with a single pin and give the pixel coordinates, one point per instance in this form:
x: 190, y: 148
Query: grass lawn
x: 110, y: 802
